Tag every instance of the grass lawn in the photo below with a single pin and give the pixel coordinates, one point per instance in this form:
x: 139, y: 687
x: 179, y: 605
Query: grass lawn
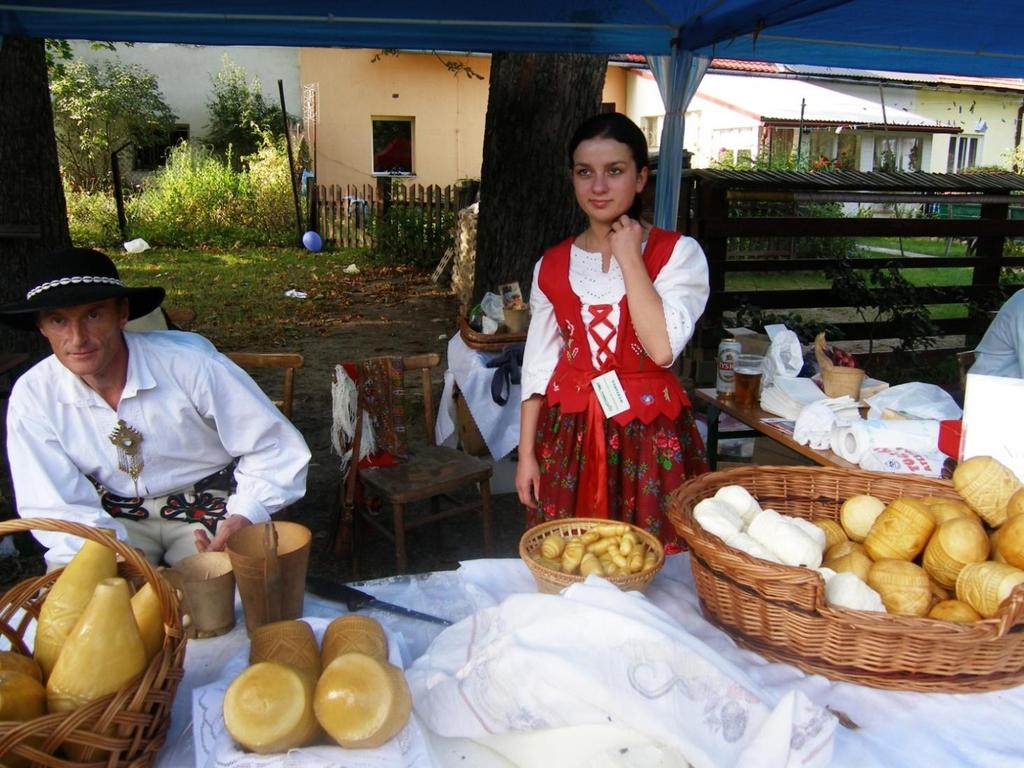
x: 932, y: 246
x: 238, y: 295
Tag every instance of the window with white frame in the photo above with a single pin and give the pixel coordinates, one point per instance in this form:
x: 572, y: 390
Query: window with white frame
x: 963, y: 153
x: 392, y: 146
x: 897, y: 154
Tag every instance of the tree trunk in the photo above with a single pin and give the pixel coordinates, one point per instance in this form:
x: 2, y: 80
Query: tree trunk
x: 534, y: 104
x: 33, y: 214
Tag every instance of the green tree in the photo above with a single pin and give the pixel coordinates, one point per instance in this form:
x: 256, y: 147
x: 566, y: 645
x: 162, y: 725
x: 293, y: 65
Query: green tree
x: 98, y: 109
x: 239, y: 115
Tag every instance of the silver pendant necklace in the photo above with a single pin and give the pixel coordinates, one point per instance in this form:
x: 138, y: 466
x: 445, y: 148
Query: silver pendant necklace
x: 128, y: 442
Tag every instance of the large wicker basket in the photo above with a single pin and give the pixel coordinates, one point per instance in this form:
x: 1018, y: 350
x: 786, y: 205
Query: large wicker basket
x: 552, y: 582
x: 781, y: 613
x: 123, y: 730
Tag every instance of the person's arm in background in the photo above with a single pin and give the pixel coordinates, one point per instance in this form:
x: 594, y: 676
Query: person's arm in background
x: 273, y: 458
x: 528, y: 469
x: 543, y: 345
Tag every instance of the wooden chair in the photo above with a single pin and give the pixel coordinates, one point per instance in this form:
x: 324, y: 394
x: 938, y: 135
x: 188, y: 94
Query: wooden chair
x: 289, y: 362
x: 422, y: 472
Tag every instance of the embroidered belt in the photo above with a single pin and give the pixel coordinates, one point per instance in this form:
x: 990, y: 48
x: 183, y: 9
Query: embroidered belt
x: 205, y: 503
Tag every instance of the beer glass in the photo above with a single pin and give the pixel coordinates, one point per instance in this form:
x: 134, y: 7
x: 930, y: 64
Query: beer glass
x: 748, y: 372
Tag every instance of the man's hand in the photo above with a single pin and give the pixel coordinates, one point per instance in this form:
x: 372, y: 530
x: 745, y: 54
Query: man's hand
x: 225, y: 528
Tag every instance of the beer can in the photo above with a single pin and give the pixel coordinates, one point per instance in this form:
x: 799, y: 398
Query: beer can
x: 725, y: 384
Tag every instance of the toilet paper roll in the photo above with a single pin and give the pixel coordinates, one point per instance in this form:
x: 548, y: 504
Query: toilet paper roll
x: 854, y: 441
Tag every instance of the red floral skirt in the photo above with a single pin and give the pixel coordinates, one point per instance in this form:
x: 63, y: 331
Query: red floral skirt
x: 646, y: 462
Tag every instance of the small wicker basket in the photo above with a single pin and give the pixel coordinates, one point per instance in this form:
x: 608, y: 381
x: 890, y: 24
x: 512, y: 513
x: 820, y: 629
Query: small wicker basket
x: 781, y: 612
x: 123, y: 730
x: 837, y: 380
x: 489, y: 342
x: 552, y: 582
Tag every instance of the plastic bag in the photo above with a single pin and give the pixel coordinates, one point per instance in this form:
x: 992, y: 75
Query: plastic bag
x: 493, y: 307
x: 916, y: 400
x: 138, y: 245
x: 785, y: 356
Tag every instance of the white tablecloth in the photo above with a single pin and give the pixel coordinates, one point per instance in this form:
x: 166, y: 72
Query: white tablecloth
x: 907, y: 729
x: 498, y: 424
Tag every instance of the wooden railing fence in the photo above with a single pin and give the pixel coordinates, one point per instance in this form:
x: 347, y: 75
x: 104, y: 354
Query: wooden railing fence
x: 721, y: 209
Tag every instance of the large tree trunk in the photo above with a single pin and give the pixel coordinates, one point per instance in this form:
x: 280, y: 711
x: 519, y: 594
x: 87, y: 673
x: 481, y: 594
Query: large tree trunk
x: 33, y: 214
x: 526, y: 202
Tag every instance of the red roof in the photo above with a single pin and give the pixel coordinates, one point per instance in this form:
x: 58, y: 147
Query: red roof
x: 735, y: 65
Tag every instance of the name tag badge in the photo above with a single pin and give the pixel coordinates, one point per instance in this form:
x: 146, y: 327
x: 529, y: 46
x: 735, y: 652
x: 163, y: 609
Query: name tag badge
x: 610, y: 393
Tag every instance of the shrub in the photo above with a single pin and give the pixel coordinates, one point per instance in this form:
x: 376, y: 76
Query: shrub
x: 271, y: 189
x: 198, y: 199
x: 404, y: 235
x: 92, y: 217
x: 100, y: 109
x: 194, y: 199
x: 239, y: 115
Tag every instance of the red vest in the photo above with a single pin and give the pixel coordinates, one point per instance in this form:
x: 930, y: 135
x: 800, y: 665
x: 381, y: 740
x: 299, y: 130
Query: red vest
x: 651, y: 389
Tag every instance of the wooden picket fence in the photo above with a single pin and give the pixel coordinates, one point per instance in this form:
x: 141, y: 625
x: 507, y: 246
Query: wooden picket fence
x: 353, y: 216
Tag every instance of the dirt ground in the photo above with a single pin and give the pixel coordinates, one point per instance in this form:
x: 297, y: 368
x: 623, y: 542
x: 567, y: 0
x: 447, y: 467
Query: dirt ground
x: 382, y: 321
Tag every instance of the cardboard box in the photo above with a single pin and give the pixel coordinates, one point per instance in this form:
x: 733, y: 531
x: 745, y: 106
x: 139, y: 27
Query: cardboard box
x: 751, y: 342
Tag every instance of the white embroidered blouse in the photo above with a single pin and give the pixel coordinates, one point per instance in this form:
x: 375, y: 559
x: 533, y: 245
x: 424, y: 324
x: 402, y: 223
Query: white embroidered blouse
x: 682, y: 285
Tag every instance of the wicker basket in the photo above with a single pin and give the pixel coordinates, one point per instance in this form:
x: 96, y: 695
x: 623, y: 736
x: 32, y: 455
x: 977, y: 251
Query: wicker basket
x: 552, y: 582
x: 488, y: 342
x: 837, y: 380
x: 123, y: 730
x: 781, y: 613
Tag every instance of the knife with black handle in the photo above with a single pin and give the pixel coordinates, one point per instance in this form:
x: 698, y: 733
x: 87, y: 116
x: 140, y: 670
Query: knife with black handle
x: 355, y: 599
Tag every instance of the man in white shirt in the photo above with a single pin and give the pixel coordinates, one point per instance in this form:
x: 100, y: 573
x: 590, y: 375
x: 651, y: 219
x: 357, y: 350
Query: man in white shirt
x: 1001, y: 351
x: 155, y: 435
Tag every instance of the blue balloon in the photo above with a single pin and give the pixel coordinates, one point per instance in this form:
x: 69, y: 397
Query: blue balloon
x: 312, y: 241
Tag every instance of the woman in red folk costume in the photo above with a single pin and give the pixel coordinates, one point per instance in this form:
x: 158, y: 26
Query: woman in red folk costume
x: 606, y: 428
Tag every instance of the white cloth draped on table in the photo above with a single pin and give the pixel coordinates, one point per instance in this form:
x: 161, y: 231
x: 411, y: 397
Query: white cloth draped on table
x: 597, y: 657
x: 498, y: 424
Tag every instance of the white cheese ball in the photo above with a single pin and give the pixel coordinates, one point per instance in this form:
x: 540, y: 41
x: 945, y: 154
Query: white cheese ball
x: 744, y: 543
x: 783, y: 539
x: 848, y: 591
x: 810, y: 529
x: 739, y: 498
x: 718, y: 518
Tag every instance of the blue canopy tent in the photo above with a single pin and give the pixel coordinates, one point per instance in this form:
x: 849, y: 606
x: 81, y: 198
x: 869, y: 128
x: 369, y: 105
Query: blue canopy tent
x: 928, y: 36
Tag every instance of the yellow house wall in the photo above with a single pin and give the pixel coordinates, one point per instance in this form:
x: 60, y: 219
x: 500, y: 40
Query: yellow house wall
x: 448, y: 111
x: 964, y: 108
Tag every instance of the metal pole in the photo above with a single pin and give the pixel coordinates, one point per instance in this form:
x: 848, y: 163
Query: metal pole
x: 800, y: 133
x: 115, y: 172
x: 291, y: 162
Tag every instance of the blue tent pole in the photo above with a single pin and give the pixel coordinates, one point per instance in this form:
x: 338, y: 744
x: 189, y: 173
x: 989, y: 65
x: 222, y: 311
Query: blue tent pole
x: 678, y: 77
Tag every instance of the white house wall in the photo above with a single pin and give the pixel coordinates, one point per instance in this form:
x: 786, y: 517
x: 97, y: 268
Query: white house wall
x: 712, y: 126
x: 185, y: 73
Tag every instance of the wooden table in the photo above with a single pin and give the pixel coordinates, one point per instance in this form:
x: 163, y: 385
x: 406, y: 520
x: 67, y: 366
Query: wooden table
x: 754, y: 418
